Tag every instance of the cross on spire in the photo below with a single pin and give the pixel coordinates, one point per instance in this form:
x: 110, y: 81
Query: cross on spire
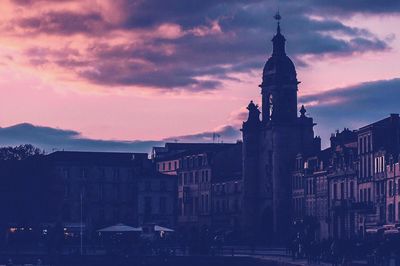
x: 278, y: 18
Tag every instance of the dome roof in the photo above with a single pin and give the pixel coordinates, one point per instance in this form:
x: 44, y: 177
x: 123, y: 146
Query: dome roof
x: 279, y: 68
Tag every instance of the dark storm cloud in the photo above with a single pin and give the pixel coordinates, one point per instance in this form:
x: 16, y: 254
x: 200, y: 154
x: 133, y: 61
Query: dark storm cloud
x: 202, y: 56
x: 59, y: 139
x: 353, y: 106
x: 339, y: 7
x: 64, y: 23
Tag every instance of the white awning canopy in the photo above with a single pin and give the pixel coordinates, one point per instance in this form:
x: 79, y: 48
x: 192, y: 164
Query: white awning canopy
x: 120, y: 228
x: 158, y: 228
x: 391, y: 232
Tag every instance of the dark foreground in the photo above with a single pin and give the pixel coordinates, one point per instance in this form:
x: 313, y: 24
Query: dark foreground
x: 143, y: 261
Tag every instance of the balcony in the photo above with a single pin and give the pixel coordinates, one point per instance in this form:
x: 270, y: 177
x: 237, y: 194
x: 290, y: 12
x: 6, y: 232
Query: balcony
x: 352, y: 205
x: 341, y: 205
x: 367, y: 207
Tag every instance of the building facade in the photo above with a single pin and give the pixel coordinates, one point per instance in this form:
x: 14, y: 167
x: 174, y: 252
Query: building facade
x: 358, y: 175
x: 105, y: 188
x: 209, y: 182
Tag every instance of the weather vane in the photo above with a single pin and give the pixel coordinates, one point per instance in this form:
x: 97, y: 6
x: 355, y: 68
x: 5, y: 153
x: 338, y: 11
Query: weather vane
x: 277, y: 16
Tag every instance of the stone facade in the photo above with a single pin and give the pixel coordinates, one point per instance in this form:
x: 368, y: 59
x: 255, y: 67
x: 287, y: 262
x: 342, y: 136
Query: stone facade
x: 362, y: 180
x: 208, y: 175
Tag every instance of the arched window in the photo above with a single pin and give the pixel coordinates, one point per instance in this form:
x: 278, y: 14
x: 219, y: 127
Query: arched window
x: 271, y: 105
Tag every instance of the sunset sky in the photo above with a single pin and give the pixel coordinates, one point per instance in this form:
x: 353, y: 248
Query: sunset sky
x: 121, y: 75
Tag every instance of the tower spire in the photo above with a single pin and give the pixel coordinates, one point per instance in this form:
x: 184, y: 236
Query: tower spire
x: 279, y: 39
x: 278, y: 18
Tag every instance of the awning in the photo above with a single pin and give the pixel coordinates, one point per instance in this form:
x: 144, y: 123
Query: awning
x: 374, y: 230
x: 391, y: 232
x: 158, y: 228
x: 120, y: 228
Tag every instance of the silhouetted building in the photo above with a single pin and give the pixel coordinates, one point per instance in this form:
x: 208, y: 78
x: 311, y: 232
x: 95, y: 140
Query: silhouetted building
x: 29, y: 195
x: 270, y: 146
x: 227, y: 188
x: 104, y: 188
x: 310, y: 197
x: 201, y: 168
x: 342, y: 180
x: 157, y: 200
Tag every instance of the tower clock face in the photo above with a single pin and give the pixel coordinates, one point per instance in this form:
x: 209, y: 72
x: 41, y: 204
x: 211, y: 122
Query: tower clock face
x: 271, y: 105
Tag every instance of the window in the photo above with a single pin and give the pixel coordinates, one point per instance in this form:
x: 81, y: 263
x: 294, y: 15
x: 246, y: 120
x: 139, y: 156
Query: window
x: 169, y: 166
x: 352, y: 190
x: 398, y: 211
x: 65, y: 173
x: 334, y: 191
x: 196, y: 177
x: 369, y: 194
x: 66, y: 190
x: 175, y: 165
x: 147, y: 206
x: 117, y: 193
x: 116, y: 215
x: 365, y: 195
x: 180, y: 179
x: 365, y: 144
x: 391, y: 212
x: 369, y: 166
x: 196, y: 205
x: 369, y: 144
x: 163, y: 185
x: 83, y: 173
x: 148, y: 186
x: 202, y: 203
x: 191, y: 177
x: 163, y: 205
x: 102, y: 173
x: 163, y: 166
x: 342, y: 191
x: 116, y: 174
x: 361, y: 196
x: 180, y: 202
x: 206, y: 203
x: 390, y: 188
x: 101, y: 191
x: 271, y: 105
x: 398, y: 187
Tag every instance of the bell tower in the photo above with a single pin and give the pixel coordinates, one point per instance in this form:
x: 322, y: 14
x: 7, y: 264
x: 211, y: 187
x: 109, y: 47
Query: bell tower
x: 279, y: 83
x: 270, y: 146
